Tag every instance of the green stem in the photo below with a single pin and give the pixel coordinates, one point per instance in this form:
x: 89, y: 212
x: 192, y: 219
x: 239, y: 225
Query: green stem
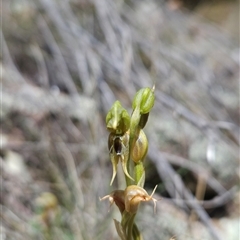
x: 136, y: 233
x: 134, y: 132
x: 128, y: 225
x: 139, y: 173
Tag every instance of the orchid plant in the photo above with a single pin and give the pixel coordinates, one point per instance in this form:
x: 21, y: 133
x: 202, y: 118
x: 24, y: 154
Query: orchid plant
x: 128, y: 145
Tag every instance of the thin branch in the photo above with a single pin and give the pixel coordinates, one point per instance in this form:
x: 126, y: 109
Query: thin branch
x: 165, y: 170
x: 64, y: 75
x: 196, y: 168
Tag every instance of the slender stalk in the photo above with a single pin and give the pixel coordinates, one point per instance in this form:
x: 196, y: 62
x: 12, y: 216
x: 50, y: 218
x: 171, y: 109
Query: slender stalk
x: 136, y: 233
x: 139, y: 171
x: 128, y: 225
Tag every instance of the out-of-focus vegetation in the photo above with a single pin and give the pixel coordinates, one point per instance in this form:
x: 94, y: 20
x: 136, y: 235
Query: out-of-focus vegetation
x: 64, y: 64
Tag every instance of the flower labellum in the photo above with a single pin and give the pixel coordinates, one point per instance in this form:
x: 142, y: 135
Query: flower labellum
x: 134, y: 195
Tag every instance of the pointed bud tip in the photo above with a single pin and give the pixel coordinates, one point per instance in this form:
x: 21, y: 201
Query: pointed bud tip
x: 144, y: 98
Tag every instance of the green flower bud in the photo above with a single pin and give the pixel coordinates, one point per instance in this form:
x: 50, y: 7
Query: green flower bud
x: 140, y: 148
x: 118, y: 119
x: 144, y: 98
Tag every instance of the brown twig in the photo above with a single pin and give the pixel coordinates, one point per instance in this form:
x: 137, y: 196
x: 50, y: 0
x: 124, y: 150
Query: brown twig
x: 174, y: 182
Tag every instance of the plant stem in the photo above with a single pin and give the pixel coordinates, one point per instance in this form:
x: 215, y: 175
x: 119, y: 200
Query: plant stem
x: 139, y: 171
x: 136, y: 233
x: 128, y: 225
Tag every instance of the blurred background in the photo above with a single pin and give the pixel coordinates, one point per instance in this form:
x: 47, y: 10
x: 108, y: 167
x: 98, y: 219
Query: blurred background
x: 65, y: 62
